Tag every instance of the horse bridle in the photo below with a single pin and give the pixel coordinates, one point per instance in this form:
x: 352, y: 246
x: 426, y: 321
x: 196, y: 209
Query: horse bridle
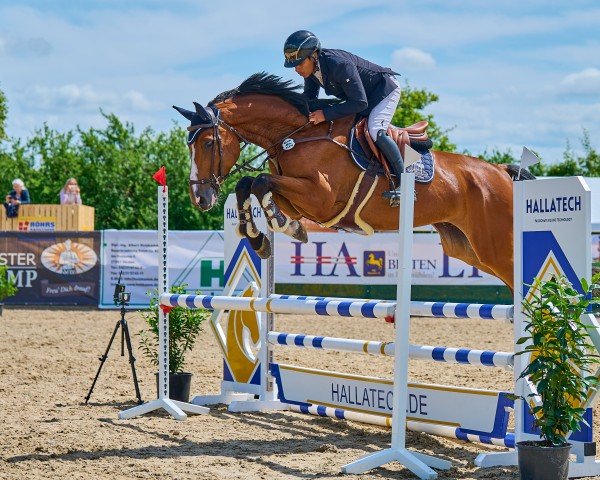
x: 214, y: 122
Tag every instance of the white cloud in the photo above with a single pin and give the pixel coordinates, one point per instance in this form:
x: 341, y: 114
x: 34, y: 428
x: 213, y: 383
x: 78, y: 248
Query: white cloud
x: 28, y: 47
x: 585, y: 82
x: 83, y: 97
x: 500, y: 72
x: 412, y: 59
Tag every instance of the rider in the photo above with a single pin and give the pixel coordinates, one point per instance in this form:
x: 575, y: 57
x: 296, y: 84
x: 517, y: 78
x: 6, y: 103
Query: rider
x: 365, y: 88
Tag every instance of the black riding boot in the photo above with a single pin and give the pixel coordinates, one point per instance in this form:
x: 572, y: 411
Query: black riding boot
x: 394, y: 158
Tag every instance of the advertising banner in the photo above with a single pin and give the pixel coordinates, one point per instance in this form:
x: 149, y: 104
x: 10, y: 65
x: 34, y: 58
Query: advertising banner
x: 58, y: 268
x: 341, y: 258
x: 195, y: 259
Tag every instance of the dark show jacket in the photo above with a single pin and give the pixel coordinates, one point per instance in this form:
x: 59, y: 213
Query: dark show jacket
x: 360, y: 83
x: 24, y: 196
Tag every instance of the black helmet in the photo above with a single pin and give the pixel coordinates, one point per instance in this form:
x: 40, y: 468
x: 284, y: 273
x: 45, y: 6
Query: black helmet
x: 299, y: 46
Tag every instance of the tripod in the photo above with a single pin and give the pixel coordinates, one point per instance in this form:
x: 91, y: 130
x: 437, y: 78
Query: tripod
x: 125, y: 338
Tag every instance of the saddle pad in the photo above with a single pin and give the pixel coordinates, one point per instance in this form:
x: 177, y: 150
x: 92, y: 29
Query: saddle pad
x: 424, y: 169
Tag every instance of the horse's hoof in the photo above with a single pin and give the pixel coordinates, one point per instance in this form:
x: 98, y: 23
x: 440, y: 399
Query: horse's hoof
x: 265, y: 250
x: 297, y: 231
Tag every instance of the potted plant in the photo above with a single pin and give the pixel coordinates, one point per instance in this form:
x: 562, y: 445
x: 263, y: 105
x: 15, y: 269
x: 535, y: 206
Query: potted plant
x: 7, y: 286
x: 184, y: 326
x: 560, y: 350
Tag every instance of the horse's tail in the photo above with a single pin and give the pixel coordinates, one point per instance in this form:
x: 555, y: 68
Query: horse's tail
x: 517, y: 173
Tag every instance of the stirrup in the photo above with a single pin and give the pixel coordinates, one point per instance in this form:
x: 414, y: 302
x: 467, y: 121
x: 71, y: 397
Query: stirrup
x: 394, y: 196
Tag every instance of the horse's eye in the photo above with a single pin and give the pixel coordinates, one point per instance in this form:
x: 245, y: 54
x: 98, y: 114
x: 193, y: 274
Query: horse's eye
x: 208, y: 144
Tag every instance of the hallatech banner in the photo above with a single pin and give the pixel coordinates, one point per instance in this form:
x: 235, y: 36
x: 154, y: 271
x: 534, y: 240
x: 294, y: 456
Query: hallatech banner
x: 59, y: 268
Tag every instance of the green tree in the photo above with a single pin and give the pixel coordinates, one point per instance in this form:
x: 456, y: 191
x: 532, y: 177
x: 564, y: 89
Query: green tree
x: 114, y: 166
x: 3, y: 115
x: 411, y: 110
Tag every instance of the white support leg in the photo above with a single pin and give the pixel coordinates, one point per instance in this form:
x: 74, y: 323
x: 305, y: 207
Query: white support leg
x: 224, y: 398
x: 417, y: 463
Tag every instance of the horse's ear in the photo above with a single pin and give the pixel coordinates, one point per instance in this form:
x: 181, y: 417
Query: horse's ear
x: 186, y: 113
x: 199, y: 108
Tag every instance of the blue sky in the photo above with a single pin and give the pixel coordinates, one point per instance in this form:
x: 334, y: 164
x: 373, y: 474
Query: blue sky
x: 508, y: 73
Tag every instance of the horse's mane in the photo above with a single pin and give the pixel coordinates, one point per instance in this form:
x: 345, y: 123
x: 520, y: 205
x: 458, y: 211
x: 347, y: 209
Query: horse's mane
x: 267, y: 84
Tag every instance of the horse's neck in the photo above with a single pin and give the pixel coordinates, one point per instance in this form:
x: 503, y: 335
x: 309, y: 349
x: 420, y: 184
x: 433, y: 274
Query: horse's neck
x: 263, y: 119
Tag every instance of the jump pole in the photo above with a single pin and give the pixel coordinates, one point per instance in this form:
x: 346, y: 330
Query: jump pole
x: 175, y: 408
x: 418, y: 463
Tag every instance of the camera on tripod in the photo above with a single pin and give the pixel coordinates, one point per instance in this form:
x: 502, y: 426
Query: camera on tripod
x: 120, y: 296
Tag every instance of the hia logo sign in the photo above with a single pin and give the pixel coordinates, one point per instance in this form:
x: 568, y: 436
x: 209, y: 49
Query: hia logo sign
x: 353, y: 260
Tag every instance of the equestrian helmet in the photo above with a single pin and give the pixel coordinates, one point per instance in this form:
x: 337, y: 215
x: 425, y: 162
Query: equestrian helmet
x: 299, y: 46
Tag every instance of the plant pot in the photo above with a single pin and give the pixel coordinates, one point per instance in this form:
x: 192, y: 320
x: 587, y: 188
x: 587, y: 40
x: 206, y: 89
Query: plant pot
x: 540, y: 462
x: 179, y: 386
x: 1, y: 308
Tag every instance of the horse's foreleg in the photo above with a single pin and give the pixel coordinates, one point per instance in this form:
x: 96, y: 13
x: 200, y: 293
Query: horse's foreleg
x: 246, y: 226
x: 276, y: 219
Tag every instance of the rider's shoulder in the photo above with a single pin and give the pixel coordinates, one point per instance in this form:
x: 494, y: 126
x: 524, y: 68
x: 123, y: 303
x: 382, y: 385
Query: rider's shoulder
x: 336, y: 55
x: 337, y: 60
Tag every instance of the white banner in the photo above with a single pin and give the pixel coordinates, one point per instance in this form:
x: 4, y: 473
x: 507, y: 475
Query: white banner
x: 436, y: 404
x: 337, y: 258
x: 195, y: 258
x: 344, y: 258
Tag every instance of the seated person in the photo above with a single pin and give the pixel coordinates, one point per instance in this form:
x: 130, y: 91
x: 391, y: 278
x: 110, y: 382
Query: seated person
x: 17, y: 196
x: 69, y: 195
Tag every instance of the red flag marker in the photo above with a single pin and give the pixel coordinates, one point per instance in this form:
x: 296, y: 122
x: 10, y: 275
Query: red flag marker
x: 161, y: 176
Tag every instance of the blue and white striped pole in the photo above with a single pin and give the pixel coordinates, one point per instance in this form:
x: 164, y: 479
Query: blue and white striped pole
x: 325, y: 306
x: 486, y: 358
x: 429, y: 428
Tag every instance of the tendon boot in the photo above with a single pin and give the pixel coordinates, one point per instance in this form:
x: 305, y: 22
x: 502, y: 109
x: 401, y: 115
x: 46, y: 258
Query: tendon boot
x: 392, y: 154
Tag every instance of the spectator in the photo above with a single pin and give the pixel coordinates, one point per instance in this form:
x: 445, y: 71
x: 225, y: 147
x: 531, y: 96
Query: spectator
x: 69, y: 194
x: 17, y: 196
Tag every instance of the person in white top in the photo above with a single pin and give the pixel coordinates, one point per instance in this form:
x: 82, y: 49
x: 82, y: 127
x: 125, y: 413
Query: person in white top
x: 69, y: 194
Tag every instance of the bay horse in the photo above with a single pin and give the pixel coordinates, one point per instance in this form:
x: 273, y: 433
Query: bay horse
x: 469, y: 201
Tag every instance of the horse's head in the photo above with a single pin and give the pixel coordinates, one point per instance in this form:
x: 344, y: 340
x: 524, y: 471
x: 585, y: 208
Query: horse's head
x: 214, y: 149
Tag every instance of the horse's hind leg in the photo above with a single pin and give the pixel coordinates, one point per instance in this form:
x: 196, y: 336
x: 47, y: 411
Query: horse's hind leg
x: 276, y: 219
x: 246, y: 226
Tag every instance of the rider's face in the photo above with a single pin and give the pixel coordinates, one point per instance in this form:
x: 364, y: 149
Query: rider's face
x: 306, y: 68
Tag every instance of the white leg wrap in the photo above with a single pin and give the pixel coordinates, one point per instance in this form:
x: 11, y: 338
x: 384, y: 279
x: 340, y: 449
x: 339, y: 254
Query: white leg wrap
x: 267, y: 205
x: 245, y: 217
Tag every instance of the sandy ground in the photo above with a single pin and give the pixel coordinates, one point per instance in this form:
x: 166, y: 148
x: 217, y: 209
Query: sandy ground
x: 48, y: 359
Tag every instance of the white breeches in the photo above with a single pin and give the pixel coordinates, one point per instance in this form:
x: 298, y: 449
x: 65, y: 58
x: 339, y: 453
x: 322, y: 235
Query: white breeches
x: 381, y: 116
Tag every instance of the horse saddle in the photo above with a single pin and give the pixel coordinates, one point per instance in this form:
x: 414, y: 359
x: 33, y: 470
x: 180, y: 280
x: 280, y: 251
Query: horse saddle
x: 368, y: 158
x: 415, y: 136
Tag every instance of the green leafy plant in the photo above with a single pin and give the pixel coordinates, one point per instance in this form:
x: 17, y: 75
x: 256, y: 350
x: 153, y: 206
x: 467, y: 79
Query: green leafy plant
x: 7, y: 286
x: 561, y: 357
x: 184, y: 326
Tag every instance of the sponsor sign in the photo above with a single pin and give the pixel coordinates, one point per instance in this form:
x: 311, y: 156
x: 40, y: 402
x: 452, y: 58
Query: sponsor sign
x: 435, y: 404
x: 56, y: 269
x: 37, y: 224
x: 195, y: 258
x: 338, y: 258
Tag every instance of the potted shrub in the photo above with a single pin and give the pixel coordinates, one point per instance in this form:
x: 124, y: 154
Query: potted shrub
x: 560, y: 351
x: 184, y: 326
x: 7, y: 287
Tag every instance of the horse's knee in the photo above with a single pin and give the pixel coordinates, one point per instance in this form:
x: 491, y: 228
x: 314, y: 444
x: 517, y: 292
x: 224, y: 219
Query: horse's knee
x: 261, y: 185
x: 243, y: 189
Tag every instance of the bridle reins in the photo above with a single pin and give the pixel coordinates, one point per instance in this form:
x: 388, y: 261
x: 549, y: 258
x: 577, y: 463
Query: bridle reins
x: 216, y: 180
